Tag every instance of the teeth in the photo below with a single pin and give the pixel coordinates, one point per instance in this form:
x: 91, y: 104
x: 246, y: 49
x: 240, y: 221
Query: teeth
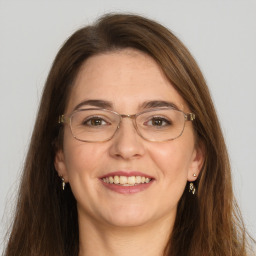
x: 138, y: 179
x: 110, y: 179
x: 126, y: 181
x: 116, y: 180
x: 131, y: 180
x: 123, y: 180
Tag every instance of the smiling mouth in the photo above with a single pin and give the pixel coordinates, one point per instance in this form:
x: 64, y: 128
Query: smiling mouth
x: 126, y: 181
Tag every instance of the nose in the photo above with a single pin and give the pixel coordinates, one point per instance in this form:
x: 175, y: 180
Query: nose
x: 126, y: 143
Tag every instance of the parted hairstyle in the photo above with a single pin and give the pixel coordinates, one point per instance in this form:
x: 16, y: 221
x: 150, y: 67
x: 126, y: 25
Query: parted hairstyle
x: 46, y: 221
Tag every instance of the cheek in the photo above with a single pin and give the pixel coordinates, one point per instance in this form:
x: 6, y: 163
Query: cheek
x: 172, y: 158
x: 83, y: 163
x: 81, y: 159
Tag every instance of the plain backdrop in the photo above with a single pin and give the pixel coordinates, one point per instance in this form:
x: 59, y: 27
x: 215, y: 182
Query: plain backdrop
x: 221, y: 34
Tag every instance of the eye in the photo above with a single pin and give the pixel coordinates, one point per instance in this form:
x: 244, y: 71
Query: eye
x: 95, y: 121
x: 158, y: 122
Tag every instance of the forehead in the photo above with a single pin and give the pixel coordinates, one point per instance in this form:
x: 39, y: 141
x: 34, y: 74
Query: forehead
x: 126, y: 78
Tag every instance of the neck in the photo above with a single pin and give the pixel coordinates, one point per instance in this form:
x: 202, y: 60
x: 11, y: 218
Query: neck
x: 103, y: 239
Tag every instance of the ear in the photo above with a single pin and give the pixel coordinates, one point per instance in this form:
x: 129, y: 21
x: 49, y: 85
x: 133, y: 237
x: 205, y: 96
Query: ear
x: 60, y: 165
x: 197, y: 162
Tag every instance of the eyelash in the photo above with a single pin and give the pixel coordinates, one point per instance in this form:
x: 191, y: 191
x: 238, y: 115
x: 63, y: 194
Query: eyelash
x: 90, y: 119
x: 162, y: 119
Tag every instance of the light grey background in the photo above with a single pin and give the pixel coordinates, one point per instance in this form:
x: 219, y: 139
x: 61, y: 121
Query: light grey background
x: 220, y: 34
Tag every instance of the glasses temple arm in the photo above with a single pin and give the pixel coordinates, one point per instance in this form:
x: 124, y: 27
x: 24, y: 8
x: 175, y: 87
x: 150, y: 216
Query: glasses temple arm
x: 190, y: 116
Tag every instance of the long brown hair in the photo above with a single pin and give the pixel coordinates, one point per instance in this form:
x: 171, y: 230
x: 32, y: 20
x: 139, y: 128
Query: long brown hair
x: 46, y: 222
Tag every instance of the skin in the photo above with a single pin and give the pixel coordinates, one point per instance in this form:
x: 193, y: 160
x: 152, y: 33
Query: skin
x: 118, y: 224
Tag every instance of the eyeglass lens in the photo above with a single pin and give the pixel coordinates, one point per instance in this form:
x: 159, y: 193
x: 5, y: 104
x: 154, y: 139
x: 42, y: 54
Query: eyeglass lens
x: 94, y: 125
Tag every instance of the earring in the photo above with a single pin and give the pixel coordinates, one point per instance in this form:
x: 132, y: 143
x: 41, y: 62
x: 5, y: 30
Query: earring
x: 63, y: 183
x: 194, y: 175
x: 192, y: 188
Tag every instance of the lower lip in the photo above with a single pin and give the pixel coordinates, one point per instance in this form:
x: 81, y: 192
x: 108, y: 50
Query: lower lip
x: 127, y: 189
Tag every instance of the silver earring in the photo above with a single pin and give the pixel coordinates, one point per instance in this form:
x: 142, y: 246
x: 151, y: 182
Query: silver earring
x: 192, y: 188
x: 63, y: 183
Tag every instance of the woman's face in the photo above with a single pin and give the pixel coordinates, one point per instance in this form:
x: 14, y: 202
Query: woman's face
x: 126, y: 80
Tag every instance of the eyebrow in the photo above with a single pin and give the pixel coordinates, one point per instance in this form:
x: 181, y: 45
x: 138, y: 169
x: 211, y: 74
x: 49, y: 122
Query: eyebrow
x: 157, y: 104
x: 96, y: 103
x: 108, y: 105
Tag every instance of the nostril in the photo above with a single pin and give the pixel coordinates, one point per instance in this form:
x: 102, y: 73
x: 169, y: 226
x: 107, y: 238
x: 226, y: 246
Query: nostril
x: 126, y: 145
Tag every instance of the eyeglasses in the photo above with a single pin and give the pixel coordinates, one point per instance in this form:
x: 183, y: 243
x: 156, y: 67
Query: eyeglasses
x: 99, y: 125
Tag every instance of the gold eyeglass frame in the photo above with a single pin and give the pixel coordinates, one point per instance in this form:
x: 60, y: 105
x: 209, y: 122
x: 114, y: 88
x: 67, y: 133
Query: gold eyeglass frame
x: 66, y: 119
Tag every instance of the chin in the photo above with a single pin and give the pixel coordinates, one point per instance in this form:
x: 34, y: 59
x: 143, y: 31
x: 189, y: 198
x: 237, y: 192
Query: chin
x: 128, y: 217
x: 128, y: 222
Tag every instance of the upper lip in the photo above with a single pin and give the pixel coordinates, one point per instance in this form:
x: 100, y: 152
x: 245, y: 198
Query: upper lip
x: 126, y: 173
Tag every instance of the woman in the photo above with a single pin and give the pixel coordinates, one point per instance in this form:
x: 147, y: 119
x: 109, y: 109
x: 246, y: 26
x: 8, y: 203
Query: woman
x: 127, y: 155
